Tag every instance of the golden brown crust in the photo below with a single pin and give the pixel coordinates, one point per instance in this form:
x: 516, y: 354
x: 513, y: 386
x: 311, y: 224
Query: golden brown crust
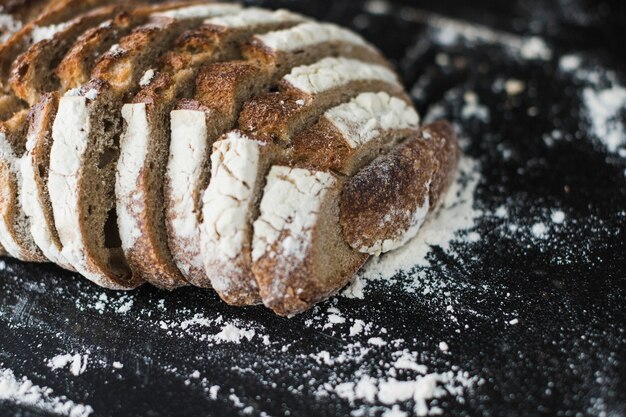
x: 324, y: 148
x: 76, y: 66
x: 379, y: 202
x: 30, y: 73
x: 279, y: 115
x: 56, y: 13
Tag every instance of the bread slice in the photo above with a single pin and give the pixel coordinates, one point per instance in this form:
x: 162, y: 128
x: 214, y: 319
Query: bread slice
x: 299, y: 254
x: 230, y: 205
x: 301, y: 105
x: 14, y: 226
x: 30, y: 73
x: 351, y: 135
x: 85, y: 149
x: 34, y: 166
x: 146, y: 141
x: 385, y: 204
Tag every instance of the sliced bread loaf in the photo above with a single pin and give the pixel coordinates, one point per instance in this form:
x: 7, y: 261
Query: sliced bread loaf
x: 85, y: 148
x: 144, y: 154
x: 222, y: 91
x: 30, y: 73
x: 297, y: 105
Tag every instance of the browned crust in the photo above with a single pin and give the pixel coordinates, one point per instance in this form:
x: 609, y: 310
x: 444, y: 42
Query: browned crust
x: 30, y: 73
x: 324, y: 148
x: 119, y: 69
x: 57, y: 12
x: 75, y: 68
x: 379, y: 201
x: 280, y: 115
x: 281, y: 62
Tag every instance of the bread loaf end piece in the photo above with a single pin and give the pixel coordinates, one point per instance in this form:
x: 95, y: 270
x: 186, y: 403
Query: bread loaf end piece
x: 385, y: 204
x: 299, y: 254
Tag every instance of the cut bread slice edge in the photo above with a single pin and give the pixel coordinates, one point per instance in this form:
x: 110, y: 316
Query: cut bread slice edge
x: 34, y: 166
x: 299, y: 254
x: 15, y: 234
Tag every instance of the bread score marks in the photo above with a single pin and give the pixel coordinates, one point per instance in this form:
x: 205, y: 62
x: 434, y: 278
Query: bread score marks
x: 298, y: 250
x: 308, y: 34
x: 199, y: 11
x: 369, y: 115
x: 253, y: 16
x: 309, y: 90
x: 331, y: 72
x: 238, y: 164
x: 385, y: 204
x: 34, y: 168
x: 187, y: 162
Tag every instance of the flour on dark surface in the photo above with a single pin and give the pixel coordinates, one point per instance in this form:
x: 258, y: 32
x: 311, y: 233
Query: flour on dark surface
x: 508, y: 302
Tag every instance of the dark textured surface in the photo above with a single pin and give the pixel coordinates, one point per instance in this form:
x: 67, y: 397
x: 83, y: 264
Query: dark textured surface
x: 565, y: 357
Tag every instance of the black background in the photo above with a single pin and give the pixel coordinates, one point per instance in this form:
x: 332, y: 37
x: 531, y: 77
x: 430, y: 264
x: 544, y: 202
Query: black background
x: 567, y: 354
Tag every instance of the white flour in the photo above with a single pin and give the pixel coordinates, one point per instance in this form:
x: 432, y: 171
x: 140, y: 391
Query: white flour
x: 77, y: 362
x: 24, y: 392
x: 604, y: 101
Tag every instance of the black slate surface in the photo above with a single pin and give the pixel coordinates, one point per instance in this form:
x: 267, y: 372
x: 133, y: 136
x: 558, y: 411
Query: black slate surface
x: 565, y: 357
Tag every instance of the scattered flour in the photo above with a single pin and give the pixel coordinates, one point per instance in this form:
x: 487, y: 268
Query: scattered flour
x: 23, y: 391
x: 604, y: 101
x: 457, y: 215
x: 77, y: 362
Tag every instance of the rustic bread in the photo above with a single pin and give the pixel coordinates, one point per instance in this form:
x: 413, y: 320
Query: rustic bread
x: 304, y: 94
x: 231, y: 147
x: 52, y: 19
x: 85, y: 149
x: 221, y: 92
x: 384, y: 205
x: 145, y: 152
x: 15, y: 235
x: 351, y: 135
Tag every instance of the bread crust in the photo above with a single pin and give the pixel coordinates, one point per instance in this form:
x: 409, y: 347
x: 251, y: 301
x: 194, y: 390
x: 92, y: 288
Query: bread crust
x: 384, y: 204
x: 30, y: 74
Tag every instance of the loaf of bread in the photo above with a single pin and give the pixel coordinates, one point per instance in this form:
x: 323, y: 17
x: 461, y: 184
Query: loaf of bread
x: 256, y: 152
